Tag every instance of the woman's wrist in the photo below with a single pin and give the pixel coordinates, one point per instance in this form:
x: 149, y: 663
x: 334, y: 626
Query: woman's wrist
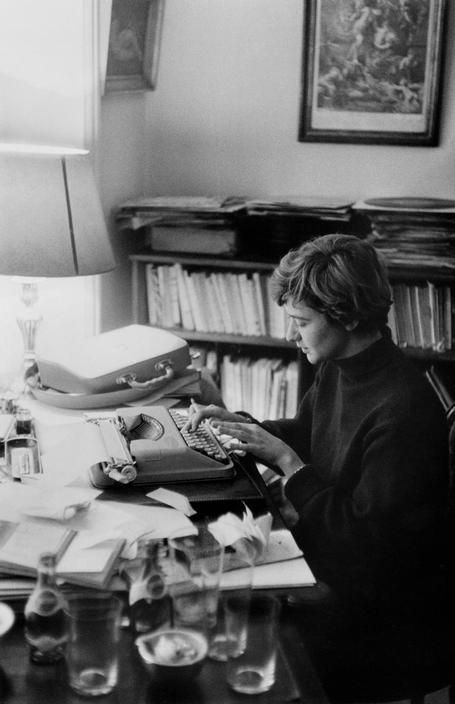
x: 290, y: 463
x: 288, y: 475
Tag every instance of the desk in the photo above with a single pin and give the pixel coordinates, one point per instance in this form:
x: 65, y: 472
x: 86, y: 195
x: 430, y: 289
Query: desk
x: 34, y: 684
x: 41, y: 684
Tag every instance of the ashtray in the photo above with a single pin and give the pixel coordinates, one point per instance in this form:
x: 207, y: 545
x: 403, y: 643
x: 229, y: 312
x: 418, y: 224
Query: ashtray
x: 172, y: 655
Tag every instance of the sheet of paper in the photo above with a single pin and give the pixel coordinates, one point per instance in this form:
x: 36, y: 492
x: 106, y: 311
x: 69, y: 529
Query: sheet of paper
x: 229, y: 528
x: 104, y: 519
x: 61, y: 465
x: 43, y: 500
x: 172, y: 498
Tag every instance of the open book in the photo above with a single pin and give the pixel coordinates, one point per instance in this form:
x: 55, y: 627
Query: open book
x: 21, y: 543
x: 274, y: 575
x: 280, y: 547
x: 282, y: 566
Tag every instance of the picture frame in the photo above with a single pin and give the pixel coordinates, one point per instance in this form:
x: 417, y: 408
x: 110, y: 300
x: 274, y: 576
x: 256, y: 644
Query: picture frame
x: 372, y: 71
x: 134, y: 45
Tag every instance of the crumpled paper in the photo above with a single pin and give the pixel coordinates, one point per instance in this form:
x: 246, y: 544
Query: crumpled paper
x: 245, y: 538
x: 45, y: 501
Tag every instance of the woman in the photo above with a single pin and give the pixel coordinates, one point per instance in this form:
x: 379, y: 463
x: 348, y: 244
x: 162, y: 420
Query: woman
x: 364, y: 464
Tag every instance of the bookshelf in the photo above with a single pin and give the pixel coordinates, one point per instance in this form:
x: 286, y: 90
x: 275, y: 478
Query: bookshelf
x: 241, y: 336
x: 416, y: 239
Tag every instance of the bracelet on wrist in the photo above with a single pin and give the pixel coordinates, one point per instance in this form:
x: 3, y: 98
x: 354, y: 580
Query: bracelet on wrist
x: 286, y: 478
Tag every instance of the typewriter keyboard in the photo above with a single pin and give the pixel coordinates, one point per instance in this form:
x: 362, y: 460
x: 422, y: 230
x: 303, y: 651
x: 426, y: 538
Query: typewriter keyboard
x: 200, y: 439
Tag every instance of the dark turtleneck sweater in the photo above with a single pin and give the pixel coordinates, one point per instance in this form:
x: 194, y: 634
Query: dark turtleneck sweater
x: 373, y: 498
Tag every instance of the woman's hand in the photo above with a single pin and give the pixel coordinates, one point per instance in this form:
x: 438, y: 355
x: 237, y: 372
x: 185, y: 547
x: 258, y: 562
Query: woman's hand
x: 198, y: 413
x: 284, y: 506
x: 259, y: 442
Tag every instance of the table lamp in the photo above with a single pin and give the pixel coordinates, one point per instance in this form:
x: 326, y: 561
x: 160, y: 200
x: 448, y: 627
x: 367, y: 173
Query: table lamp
x: 51, y: 224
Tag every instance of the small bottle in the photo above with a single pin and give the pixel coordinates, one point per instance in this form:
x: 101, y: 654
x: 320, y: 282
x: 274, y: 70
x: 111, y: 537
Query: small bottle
x: 149, y: 599
x: 22, y: 457
x: 24, y: 422
x: 45, y: 621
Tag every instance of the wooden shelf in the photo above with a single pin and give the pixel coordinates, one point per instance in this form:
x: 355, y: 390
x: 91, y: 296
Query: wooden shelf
x: 202, y: 261
x: 250, y: 340
x: 408, y: 274
x: 429, y: 355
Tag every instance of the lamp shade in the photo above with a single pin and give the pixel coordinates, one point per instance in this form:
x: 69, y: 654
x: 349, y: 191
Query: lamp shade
x: 51, y: 219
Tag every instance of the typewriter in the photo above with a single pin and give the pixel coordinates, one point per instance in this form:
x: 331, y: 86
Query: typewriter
x: 149, y: 445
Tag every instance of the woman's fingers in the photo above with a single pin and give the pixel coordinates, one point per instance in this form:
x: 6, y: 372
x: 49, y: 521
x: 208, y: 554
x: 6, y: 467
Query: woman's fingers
x: 197, y: 413
x: 239, y: 430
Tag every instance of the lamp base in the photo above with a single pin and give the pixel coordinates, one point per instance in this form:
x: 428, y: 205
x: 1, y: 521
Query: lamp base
x: 28, y: 320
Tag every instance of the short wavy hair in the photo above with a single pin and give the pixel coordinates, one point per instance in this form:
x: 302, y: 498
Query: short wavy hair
x: 341, y: 276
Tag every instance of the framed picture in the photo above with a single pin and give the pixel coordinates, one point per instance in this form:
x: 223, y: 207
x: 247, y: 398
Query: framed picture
x: 134, y: 45
x: 372, y: 71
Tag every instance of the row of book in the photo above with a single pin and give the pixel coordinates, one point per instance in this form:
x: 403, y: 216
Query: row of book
x: 241, y: 304
x: 265, y: 387
x: 213, y: 301
x: 422, y: 316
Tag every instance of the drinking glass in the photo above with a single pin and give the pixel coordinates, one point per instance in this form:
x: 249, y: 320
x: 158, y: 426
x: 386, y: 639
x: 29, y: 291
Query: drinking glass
x: 92, y: 649
x: 252, y: 634
x: 197, y: 563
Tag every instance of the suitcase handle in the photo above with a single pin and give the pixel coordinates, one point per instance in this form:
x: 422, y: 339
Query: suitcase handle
x: 165, y: 365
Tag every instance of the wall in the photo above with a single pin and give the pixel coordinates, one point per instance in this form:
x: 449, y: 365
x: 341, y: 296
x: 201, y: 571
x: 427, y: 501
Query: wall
x: 121, y: 150
x: 224, y: 116
x: 46, y: 84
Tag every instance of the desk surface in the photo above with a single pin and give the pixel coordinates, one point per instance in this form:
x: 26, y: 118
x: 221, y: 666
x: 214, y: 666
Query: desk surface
x: 34, y: 684
x: 28, y: 683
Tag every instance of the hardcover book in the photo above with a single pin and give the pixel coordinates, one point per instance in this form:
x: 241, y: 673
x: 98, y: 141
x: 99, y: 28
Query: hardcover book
x: 21, y: 543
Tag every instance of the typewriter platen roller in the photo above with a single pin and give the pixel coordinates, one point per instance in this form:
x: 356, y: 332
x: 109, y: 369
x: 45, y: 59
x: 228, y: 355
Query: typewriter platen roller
x: 149, y: 446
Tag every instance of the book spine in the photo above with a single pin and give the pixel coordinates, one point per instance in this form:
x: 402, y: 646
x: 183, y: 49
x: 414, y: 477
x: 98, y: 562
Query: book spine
x: 274, y: 313
x: 448, y: 332
x: 201, y: 298
x: 255, y: 312
x: 163, y: 279
x: 220, y: 310
x: 175, y: 315
x: 226, y: 302
x: 250, y: 318
x: 236, y: 303
x: 400, y: 315
x: 437, y: 343
x: 153, y: 295
x: 184, y: 299
x: 194, y: 300
x: 259, y: 296
x: 215, y: 316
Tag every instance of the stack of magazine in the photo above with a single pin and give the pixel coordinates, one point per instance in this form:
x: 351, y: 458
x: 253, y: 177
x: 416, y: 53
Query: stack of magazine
x: 320, y: 207
x: 412, y: 231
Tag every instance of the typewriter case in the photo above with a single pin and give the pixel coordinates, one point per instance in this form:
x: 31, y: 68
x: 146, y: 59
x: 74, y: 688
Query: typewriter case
x: 132, y: 356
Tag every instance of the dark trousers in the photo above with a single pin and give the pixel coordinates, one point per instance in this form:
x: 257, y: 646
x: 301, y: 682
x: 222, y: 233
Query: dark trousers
x: 363, y: 653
